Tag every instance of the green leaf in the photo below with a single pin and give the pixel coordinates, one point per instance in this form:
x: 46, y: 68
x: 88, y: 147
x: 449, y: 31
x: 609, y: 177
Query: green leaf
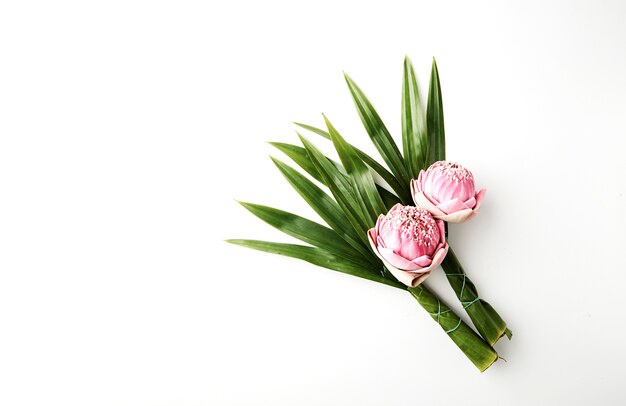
x: 359, y: 174
x: 389, y: 199
x: 414, y: 132
x: 319, y: 257
x: 325, y: 207
x: 315, y: 130
x: 379, y: 134
x: 306, y: 230
x: 301, y: 157
x: 341, y: 189
x: 434, y: 119
x: 400, y: 189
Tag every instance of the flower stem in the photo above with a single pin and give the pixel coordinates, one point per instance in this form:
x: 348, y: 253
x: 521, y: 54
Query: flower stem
x: 486, y: 320
x: 473, y: 346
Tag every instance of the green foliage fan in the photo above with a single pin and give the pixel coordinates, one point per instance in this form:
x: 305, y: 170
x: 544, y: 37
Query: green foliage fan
x: 357, y: 200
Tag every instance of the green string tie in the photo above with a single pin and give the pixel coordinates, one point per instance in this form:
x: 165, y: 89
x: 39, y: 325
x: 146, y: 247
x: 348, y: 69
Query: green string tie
x: 438, y: 315
x: 465, y: 303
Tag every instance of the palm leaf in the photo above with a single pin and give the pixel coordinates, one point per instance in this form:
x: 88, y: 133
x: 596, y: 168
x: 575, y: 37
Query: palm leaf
x: 341, y: 189
x: 319, y: 257
x: 434, y: 119
x: 301, y: 157
x: 389, y: 199
x: 325, y: 207
x: 361, y: 178
x: 378, y: 133
x: 399, y: 188
x: 306, y: 230
x: 414, y: 132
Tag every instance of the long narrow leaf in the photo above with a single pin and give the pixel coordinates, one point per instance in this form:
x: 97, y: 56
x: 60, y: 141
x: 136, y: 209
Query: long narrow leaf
x: 341, y: 189
x: 306, y: 230
x: 325, y: 207
x: 319, y: 257
x: 399, y: 188
x: 414, y: 132
x: 434, y: 118
x: 378, y: 133
x: 389, y: 199
x: 360, y: 175
x: 301, y: 157
x: 315, y: 130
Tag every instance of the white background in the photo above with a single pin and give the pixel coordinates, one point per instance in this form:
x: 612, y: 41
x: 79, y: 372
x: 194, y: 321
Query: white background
x: 128, y: 128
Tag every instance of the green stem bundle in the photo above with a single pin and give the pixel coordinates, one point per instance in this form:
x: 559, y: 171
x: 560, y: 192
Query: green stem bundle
x: 473, y: 346
x: 484, y: 317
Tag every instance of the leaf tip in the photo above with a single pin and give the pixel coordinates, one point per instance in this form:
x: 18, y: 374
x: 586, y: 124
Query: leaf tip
x: 276, y: 161
x: 244, y: 204
x: 331, y: 129
x: 348, y: 79
x: 302, y: 138
x: 434, y: 67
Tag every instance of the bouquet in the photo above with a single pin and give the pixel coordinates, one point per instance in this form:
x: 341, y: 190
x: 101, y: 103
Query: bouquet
x: 392, y: 228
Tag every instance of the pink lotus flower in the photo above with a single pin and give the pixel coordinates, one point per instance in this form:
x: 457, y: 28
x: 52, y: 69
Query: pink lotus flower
x: 446, y: 190
x: 410, y: 242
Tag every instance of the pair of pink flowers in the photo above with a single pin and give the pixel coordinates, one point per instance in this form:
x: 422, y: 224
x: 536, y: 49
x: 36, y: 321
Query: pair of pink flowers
x: 411, y: 240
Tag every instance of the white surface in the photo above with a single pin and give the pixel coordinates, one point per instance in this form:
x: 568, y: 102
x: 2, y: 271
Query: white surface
x: 128, y: 128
